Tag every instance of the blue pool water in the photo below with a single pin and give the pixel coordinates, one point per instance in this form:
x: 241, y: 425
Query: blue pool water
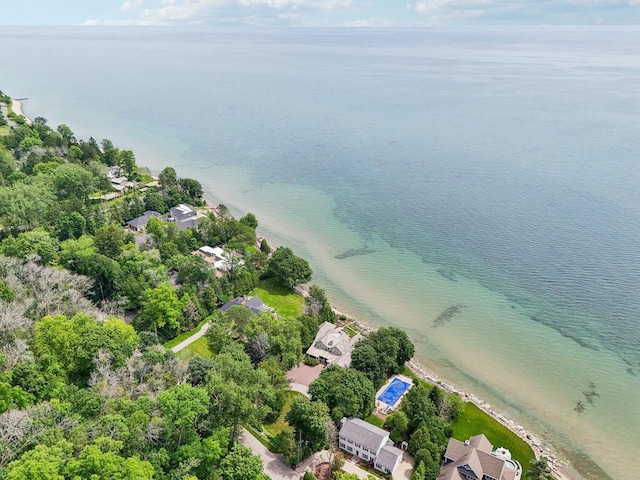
x: 393, y: 392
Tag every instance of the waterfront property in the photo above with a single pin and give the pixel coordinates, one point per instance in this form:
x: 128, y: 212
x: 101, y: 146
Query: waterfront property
x: 333, y: 345
x: 217, y: 258
x: 185, y: 216
x: 252, y: 303
x: 388, y: 398
x: 475, y: 459
x: 369, y: 443
x: 139, y: 224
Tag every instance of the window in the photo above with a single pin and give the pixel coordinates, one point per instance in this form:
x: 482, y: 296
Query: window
x: 341, y: 444
x: 349, y: 449
x: 365, y: 456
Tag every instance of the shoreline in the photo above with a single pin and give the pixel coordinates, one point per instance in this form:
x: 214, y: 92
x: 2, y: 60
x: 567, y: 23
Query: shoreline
x: 16, y: 106
x: 560, y: 468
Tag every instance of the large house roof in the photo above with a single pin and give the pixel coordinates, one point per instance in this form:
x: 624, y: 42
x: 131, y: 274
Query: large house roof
x: 252, y: 303
x: 365, y: 434
x: 474, y: 456
x: 330, y: 337
x: 388, y: 457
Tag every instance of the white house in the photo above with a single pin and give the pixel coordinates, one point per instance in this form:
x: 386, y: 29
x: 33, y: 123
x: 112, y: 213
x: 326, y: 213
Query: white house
x: 370, y: 443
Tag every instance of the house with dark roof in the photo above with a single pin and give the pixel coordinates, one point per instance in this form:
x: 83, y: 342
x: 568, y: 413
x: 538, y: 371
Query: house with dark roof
x: 369, y: 443
x: 333, y: 345
x: 475, y: 459
x: 140, y: 223
x: 252, y: 303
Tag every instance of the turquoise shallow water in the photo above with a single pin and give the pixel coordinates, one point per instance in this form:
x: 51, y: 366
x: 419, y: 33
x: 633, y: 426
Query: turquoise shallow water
x: 491, y: 174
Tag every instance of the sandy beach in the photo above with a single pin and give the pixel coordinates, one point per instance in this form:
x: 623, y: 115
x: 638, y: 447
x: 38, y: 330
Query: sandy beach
x: 16, y: 106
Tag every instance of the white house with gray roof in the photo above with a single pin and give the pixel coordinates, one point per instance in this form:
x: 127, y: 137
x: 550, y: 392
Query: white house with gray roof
x: 369, y: 443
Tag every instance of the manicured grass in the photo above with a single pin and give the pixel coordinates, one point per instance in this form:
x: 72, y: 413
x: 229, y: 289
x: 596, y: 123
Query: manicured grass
x: 183, y: 336
x: 261, y: 437
x: 285, y: 301
x: 4, y: 130
x: 200, y: 347
x: 473, y: 421
x: 416, y: 381
x: 276, y: 427
x: 350, y: 331
x: 373, y: 420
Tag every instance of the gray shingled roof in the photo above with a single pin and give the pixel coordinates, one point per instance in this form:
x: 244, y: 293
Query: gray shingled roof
x: 252, y: 303
x: 143, y: 219
x: 365, y: 434
x: 388, y: 457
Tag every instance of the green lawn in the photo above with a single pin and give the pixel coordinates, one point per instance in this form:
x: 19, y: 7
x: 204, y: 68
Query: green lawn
x: 373, y: 420
x: 276, y: 427
x: 350, y: 331
x: 200, y: 347
x: 4, y: 130
x: 285, y: 302
x: 473, y: 421
x: 183, y: 336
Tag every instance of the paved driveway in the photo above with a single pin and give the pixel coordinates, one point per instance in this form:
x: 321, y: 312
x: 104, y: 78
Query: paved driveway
x: 274, y: 464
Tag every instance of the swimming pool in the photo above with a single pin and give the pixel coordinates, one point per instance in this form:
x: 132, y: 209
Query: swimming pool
x: 393, y: 392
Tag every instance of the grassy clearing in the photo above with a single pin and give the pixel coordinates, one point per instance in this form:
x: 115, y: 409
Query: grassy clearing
x: 473, y: 421
x: 4, y: 130
x: 285, y: 302
x: 276, y: 427
x: 183, y: 336
x: 373, y: 420
x: 200, y: 347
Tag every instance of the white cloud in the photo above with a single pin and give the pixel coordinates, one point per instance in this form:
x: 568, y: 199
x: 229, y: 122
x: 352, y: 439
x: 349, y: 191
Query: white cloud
x: 131, y: 5
x: 172, y: 12
x: 517, y: 10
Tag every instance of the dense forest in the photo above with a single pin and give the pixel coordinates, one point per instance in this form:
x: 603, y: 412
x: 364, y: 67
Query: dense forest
x: 87, y: 389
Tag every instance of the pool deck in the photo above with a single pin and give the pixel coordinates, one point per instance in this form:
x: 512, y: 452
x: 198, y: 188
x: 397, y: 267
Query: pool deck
x: 385, y: 407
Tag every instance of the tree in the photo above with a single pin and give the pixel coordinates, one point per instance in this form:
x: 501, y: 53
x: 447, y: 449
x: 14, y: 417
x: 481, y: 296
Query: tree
x: 309, y: 420
x: 317, y: 305
x: 168, y: 178
x: 43, y: 463
x: 153, y: 201
x: 127, y: 163
x: 66, y: 134
x: 288, y: 269
x: 382, y: 353
x: 249, y: 220
x: 347, y: 392
x: 109, y: 239
x: 109, y: 152
x: 539, y: 470
x: 33, y: 242
x: 398, y: 423
x: 183, y: 408
x: 241, y: 464
x: 192, y: 188
x: 264, y: 247
x: 161, y: 307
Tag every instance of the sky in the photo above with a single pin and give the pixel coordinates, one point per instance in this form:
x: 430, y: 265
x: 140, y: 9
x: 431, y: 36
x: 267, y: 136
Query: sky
x: 362, y: 13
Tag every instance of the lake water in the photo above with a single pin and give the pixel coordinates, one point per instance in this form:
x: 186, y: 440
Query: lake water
x: 491, y: 176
